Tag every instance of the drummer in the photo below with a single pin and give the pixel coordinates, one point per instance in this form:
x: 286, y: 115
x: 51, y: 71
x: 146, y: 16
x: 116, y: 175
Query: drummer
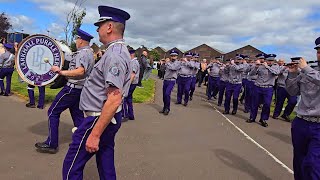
x: 69, y: 97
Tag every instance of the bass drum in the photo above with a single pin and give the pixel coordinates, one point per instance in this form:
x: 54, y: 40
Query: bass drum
x: 35, y: 57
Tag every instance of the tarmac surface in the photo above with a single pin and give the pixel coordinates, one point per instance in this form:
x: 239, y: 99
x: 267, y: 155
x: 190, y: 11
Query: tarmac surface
x: 193, y: 142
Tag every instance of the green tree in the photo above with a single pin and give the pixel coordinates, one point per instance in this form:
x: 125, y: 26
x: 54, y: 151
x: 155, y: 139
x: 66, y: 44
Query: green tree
x: 155, y: 55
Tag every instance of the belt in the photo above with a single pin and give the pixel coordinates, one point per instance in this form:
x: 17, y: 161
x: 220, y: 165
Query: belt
x: 266, y: 86
x: 74, y: 85
x: 92, y: 113
x: 171, y: 79
x: 184, y: 76
x: 310, y: 118
x: 235, y: 82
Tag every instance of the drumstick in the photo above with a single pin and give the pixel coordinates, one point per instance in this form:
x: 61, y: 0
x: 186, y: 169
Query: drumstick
x: 46, y: 60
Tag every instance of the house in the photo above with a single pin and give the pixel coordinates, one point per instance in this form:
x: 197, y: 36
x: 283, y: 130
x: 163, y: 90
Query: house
x: 246, y: 50
x: 206, y: 52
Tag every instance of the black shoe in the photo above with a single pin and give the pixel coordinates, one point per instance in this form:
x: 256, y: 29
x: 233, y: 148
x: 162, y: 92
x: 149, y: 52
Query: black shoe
x: 250, y: 120
x: 131, y: 118
x: 45, y: 148
x: 5, y: 94
x: 260, y: 106
x: 124, y: 119
x: 214, y: 97
x: 162, y: 111
x: 234, y: 112
x: 275, y: 117
x: 166, y: 112
x: 226, y: 112
x: 185, y: 104
x: 246, y: 111
x: 177, y: 103
x: 1, y: 93
x: 30, y: 105
x: 199, y: 85
x: 190, y: 98
x: 241, y: 101
x: 219, y: 104
x: 286, y: 118
x: 40, y: 107
x: 263, y: 123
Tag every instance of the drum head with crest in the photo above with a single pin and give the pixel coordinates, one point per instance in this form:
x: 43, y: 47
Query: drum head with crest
x: 34, y: 58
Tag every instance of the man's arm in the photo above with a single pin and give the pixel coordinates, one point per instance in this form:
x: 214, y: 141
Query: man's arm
x: 69, y: 73
x: 108, y: 111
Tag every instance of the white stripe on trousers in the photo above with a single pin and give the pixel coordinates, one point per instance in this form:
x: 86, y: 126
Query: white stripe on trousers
x: 51, y: 114
x: 74, y: 159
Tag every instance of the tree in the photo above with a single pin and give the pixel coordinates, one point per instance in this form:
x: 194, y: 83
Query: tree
x: 5, y: 25
x: 73, y: 22
x: 155, y: 55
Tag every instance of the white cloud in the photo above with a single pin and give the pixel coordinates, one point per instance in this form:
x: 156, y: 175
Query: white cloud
x: 21, y: 22
x: 188, y: 23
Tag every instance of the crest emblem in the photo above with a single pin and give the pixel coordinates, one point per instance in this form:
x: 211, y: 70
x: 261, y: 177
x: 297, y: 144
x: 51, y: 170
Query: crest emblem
x: 35, y: 57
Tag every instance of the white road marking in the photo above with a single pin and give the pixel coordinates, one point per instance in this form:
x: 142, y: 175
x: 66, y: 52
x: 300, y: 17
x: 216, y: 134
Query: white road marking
x: 252, y: 140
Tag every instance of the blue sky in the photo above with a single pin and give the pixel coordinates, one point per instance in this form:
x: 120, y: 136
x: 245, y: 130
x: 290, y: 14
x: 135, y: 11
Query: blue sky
x: 286, y: 27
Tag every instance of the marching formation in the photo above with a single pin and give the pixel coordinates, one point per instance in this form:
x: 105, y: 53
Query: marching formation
x: 99, y: 94
x: 258, y: 78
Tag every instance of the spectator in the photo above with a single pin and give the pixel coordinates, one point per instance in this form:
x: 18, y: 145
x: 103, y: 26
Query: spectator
x: 148, y: 70
x: 143, y: 66
x: 203, y: 71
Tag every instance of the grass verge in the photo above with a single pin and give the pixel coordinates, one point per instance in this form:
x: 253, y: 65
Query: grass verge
x: 140, y: 95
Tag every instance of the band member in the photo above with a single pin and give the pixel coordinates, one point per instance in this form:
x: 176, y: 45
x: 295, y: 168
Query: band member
x: 282, y: 95
x: 69, y: 97
x: 41, y: 100
x: 184, y: 80
x: 127, y: 108
x: 305, y: 127
x: 214, y: 79
x: 267, y: 73
x: 245, y: 81
x: 6, y: 69
x: 170, y: 77
x: 224, y: 79
x: 195, y: 69
x: 234, y: 85
x: 101, y: 100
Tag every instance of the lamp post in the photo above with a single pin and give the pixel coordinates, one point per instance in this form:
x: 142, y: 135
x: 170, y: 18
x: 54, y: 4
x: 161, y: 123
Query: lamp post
x: 48, y: 32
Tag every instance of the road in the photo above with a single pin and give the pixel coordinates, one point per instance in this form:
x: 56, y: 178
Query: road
x: 194, y: 142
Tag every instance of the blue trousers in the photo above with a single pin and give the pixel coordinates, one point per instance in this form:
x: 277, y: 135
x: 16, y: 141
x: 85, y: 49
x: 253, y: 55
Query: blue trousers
x: 234, y: 91
x: 77, y: 156
x: 306, y: 149
x: 282, y: 95
x: 184, y: 84
x: 213, y: 86
x: 6, y: 73
x: 166, y: 96
x: 41, y: 100
x: 264, y: 94
x: 193, y: 85
x: 127, y: 106
x: 67, y: 98
x: 249, y: 93
x: 222, y: 89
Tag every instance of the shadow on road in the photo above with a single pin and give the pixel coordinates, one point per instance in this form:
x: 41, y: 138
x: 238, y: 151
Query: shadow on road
x: 282, y: 137
x: 236, y: 162
x: 157, y: 107
x: 65, y: 134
